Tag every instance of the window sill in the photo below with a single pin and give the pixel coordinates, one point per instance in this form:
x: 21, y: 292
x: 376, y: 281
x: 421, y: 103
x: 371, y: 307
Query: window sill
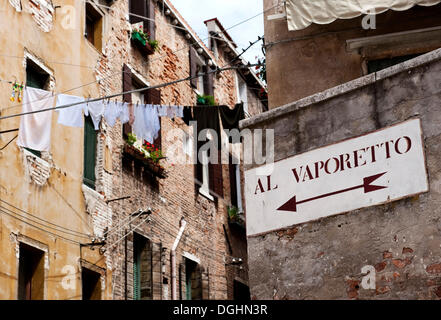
x: 145, y: 50
x: 206, y: 194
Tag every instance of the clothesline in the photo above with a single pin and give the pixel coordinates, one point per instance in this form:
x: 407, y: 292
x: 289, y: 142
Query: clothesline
x: 131, y: 91
x: 144, y: 119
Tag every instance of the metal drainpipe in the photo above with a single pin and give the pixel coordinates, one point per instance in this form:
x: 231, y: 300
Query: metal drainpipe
x: 173, y: 258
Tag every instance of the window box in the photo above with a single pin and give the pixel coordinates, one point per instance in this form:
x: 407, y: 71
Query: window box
x: 143, y: 45
x: 153, y: 167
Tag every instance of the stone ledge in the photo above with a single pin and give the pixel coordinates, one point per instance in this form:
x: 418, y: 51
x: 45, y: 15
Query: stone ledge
x: 342, y: 89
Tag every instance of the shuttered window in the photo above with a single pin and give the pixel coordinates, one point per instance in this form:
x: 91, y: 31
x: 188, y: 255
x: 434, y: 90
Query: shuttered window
x: 142, y: 268
x: 215, y: 179
x: 193, y: 67
x: 193, y: 280
x: 140, y: 9
x: 90, y: 143
x: 127, y: 86
x: 205, y: 83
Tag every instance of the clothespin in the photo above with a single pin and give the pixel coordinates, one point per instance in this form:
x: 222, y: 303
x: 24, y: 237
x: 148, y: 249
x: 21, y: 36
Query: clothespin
x: 14, y: 91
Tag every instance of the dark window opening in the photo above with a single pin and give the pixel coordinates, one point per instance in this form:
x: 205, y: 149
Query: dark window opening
x: 380, y: 64
x: 241, y: 292
x: 193, y: 280
x: 90, y: 142
x: 36, y: 77
x: 91, y: 284
x: 142, y: 268
x: 94, y: 26
x: 31, y: 273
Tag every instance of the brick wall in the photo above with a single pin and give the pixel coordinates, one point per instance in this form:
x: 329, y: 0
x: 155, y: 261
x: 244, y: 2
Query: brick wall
x: 172, y: 198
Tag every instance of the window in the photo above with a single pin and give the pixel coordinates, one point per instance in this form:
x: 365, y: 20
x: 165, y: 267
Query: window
x: 200, y: 83
x: 90, y: 143
x: 205, y: 187
x: 143, y: 8
x: 241, y: 291
x: 204, y: 84
x: 193, y: 280
x: 208, y: 173
x: 142, y: 268
x: 91, y: 284
x: 30, y: 273
x: 133, y: 80
x: 36, y: 77
x: 242, y: 95
x: 377, y: 65
x: 235, y: 185
x: 94, y: 26
x: 188, y: 144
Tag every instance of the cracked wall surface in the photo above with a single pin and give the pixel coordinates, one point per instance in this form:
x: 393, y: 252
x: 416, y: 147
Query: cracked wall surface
x: 400, y: 240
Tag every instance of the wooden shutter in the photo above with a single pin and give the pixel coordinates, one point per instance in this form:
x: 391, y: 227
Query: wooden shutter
x: 209, y: 84
x: 90, y: 142
x: 150, y: 24
x: 215, y: 179
x: 193, y: 67
x: 139, y: 8
x: 127, y: 86
x: 153, y: 96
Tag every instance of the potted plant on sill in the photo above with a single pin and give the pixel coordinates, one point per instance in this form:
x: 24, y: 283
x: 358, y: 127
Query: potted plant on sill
x: 234, y: 216
x: 142, y: 41
x: 147, y: 153
x: 205, y: 100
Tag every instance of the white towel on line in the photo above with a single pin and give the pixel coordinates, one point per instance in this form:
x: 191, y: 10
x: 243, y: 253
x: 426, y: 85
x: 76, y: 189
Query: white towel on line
x: 35, y: 129
x: 70, y: 116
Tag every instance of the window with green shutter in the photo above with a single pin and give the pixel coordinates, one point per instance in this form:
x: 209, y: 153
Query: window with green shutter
x: 142, y: 268
x: 90, y: 142
x: 193, y: 280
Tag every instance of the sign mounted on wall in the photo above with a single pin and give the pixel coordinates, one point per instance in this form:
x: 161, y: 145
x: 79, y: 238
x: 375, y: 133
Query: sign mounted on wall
x: 372, y: 169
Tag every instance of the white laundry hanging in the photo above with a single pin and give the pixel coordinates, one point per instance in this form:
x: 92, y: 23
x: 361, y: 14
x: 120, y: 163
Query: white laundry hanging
x: 35, y: 129
x: 152, y: 123
x: 96, y: 111
x: 70, y: 116
x: 112, y: 112
x: 124, y: 112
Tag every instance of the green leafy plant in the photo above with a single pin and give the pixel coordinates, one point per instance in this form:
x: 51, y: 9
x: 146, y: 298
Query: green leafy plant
x: 206, y: 100
x: 131, y: 139
x: 154, y: 44
x: 233, y: 212
x: 144, y: 37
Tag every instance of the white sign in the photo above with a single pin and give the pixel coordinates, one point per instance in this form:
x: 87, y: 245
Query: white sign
x: 376, y: 168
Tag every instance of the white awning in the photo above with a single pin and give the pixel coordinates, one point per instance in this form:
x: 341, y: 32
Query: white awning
x: 302, y: 13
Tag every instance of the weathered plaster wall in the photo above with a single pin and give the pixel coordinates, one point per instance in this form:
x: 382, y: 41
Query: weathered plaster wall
x: 59, y: 199
x: 304, y: 62
x: 401, y: 239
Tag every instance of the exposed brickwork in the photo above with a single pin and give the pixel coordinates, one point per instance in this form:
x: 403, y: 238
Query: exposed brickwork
x: 42, y: 12
x: 172, y: 198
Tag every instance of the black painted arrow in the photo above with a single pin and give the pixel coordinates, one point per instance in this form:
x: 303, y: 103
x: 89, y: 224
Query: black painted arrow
x: 291, y: 205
